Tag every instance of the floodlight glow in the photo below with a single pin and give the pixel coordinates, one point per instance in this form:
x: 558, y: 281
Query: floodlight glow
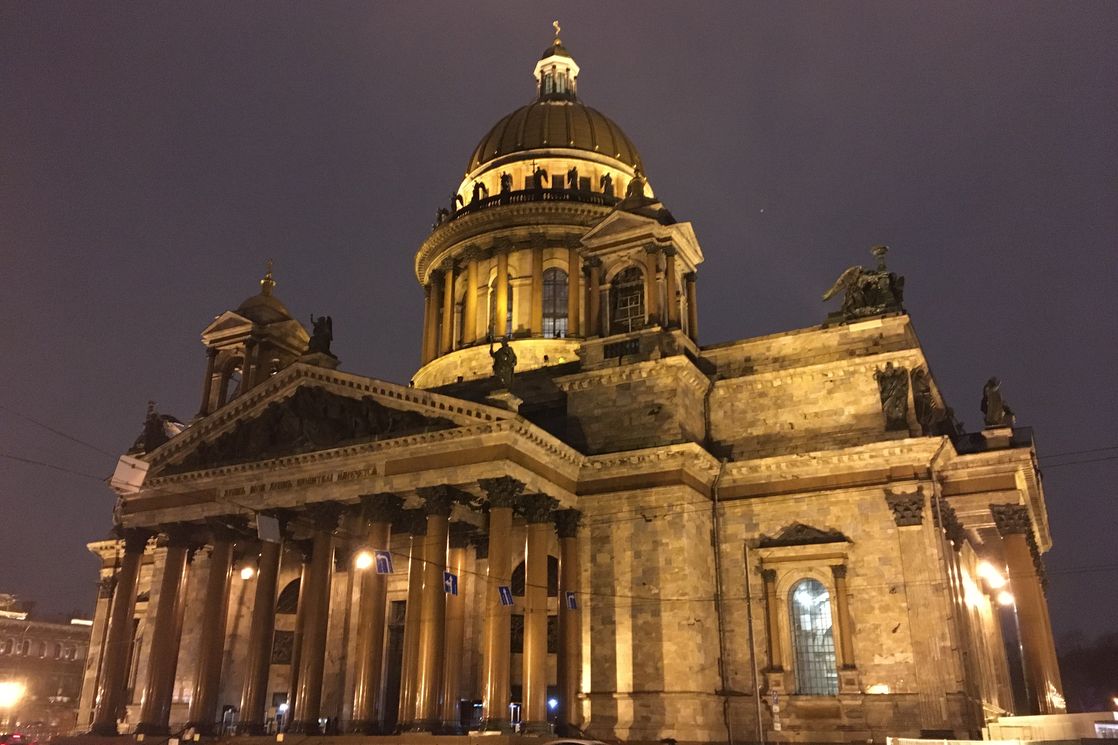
x: 1005, y: 597
x: 993, y: 577
x: 552, y: 703
x: 363, y: 560
x: 247, y: 573
x: 11, y: 693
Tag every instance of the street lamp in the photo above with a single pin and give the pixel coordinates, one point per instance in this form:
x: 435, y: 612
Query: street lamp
x: 11, y: 693
x: 363, y: 560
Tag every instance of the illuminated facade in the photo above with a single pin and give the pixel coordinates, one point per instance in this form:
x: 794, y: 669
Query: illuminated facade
x: 640, y: 537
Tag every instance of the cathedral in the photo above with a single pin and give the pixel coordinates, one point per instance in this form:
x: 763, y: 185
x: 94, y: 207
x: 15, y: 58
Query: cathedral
x: 574, y: 519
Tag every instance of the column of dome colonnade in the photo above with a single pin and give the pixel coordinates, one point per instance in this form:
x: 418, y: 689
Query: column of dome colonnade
x: 569, y: 659
x: 378, y: 513
x: 1022, y: 558
x: 109, y: 698
x: 503, y: 493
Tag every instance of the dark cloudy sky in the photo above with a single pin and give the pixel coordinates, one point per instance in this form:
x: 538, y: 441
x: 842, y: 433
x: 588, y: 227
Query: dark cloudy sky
x: 154, y: 154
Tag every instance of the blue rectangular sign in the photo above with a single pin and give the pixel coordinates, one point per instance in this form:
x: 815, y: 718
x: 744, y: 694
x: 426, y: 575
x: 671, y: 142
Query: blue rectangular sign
x: 450, y: 583
x: 572, y: 601
x: 506, y: 595
x: 384, y: 562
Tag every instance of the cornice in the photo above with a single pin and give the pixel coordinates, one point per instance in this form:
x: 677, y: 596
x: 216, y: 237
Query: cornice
x: 496, y: 220
x: 678, y: 365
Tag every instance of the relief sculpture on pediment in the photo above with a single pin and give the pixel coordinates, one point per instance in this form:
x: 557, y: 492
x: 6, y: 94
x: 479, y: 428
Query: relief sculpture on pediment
x: 308, y: 420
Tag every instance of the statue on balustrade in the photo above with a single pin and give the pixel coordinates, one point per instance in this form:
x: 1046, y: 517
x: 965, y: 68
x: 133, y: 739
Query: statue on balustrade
x: 892, y: 384
x: 539, y: 177
x: 572, y: 179
x: 506, y: 182
x: 322, y: 335
x: 606, y: 182
x: 994, y: 409
x: 480, y: 192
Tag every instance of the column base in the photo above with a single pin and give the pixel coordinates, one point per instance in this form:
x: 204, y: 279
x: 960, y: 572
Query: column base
x: 104, y: 730
x: 369, y: 727
x: 305, y: 727
x: 255, y: 729
x: 536, y: 728
x: 503, y: 726
x: 152, y: 728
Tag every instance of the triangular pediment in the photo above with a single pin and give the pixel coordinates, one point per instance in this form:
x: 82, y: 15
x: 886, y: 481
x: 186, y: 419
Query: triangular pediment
x: 307, y: 409
x: 798, y: 534
x: 618, y: 224
x: 227, y: 324
x: 621, y: 229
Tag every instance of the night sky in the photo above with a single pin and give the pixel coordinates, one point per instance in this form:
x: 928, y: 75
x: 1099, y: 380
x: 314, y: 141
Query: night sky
x: 153, y: 155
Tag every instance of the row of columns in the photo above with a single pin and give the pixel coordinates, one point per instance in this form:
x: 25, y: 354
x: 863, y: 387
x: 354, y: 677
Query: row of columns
x: 439, y: 305
x: 434, y: 622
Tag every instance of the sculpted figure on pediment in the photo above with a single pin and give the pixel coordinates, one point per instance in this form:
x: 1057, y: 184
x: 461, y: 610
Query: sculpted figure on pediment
x: 310, y: 419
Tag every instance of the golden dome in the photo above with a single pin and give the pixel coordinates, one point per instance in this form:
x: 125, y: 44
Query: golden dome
x: 554, y: 124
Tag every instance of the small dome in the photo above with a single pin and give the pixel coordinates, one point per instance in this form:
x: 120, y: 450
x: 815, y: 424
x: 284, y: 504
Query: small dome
x: 263, y: 309
x: 555, y: 124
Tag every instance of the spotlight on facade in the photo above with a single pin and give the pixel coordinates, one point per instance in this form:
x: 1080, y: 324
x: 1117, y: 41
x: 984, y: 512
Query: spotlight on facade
x: 363, y: 560
x: 552, y: 703
x: 1005, y: 597
x: 247, y: 573
x: 879, y: 689
x: 993, y: 577
x: 11, y: 693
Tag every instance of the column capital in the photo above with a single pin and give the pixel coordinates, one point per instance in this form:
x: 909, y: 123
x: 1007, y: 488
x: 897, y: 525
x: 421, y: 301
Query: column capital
x: 438, y: 500
x: 652, y: 249
x: 481, y: 547
x: 944, y: 513
x: 908, y: 509
x: 324, y: 515
x: 690, y: 276
x: 460, y: 535
x: 1011, y: 519
x: 838, y: 571
x: 594, y: 262
x: 135, y: 539
x: 179, y: 535
x: 502, y: 491
x: 412, y: 521
x: 567, y: 522
x: 537, y: 508
x: 768, y: 576
x: 382, y: 507
x: 669, y: 250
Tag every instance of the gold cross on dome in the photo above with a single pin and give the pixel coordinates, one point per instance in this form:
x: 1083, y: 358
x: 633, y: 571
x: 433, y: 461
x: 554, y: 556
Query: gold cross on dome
x: 556, y: 25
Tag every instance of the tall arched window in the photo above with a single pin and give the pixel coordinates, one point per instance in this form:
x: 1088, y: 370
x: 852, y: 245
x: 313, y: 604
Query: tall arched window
x: 554, y: 303
x: 813, y: 639
x: 7, y: 646
x: 627, y: 301
x: 494, y: 328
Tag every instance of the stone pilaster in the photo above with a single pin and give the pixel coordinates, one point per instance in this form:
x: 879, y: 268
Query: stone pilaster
x: 692, y: 299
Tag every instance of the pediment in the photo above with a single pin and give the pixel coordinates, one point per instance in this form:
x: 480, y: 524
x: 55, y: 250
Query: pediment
x: 617, y: 224
x: 620, y: 227
x: 226, y: 324
x: 798, y: 534
x: 305, y: 409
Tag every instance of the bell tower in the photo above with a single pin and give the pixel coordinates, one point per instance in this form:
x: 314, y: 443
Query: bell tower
x: 246, y: 346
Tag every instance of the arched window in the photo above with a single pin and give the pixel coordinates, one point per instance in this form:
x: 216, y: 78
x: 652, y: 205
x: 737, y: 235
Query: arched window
x: 68, y: 653
x: 554, y: 303
x: 57, y: 651
x: 813, y: 638
x: 7, y: 646
x: 517, y: 581
x: 25, y: 648
x: 627, y: 301
x: 42, y: 649
x: 288, y: 601
x: 494, y: 328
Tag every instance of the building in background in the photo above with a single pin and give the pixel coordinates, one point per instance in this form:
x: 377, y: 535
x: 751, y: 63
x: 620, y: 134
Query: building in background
x: 575, y: 515
x: 41, y: 663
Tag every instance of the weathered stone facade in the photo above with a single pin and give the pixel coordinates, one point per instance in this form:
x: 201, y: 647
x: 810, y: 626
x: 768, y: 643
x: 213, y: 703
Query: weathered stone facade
x: 769, y: 535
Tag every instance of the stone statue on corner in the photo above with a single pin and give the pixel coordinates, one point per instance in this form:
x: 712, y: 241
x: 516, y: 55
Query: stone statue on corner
x: 322, y: 335
x: 994, y: 410
x: 504, y: 362
x: 892, y: 383
x: 868, y: 292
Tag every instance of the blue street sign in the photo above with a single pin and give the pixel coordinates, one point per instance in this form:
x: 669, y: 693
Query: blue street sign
x: 450, y: 583
x: 506, y: 595
x: 572, y: 601
x: 384, y: 562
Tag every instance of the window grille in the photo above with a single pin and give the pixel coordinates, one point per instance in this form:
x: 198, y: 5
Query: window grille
x: 813, y: 639
x: 554, y: 303
x: 627, y: 296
